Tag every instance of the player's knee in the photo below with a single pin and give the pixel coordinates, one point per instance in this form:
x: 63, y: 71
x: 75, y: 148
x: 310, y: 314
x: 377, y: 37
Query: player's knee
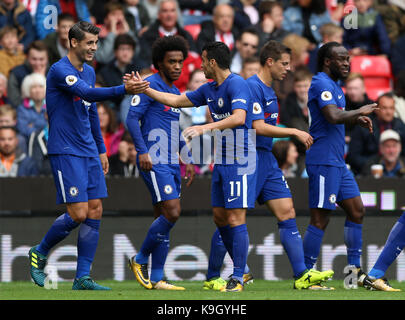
x: 172, y: 212
x: 79, y: 216
x: 287, y: 214
x: 95, y: 211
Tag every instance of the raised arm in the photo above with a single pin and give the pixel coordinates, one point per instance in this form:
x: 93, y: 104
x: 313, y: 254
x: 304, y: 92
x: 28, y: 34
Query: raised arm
x: 169, y: 99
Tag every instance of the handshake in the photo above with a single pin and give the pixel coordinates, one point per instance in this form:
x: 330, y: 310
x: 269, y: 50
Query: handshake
x: 134, y: 83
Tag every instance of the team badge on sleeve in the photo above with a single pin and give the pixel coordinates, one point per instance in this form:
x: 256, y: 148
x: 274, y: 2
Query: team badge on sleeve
x: 326, y: 96
x: 135, y: 100
x: 71, y: 80
x: 257, y: 108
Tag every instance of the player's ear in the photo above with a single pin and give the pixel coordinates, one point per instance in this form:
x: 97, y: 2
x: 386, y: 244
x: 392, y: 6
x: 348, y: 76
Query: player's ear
x: 73, y: 42
x: 270, y: 61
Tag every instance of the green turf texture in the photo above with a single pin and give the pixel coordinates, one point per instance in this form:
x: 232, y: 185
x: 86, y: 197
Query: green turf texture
x: 131, y: 290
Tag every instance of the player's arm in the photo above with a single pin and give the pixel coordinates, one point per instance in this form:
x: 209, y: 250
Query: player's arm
x: 264, y: 129
x: 98, y: 137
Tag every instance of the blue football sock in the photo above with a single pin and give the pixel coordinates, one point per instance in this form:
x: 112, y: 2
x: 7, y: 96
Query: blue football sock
x: 353, y: 241
x: 158, y: 230
x: 393, y: 247
x: 312, y: 245
x: 59, y: 230
x: 240, y: 248
x: 159, y: 255
x: 87, y: 246
x: 217, y: 255
x: 291, y: 240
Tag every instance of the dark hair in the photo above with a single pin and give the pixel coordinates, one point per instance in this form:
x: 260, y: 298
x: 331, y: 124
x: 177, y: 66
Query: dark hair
x: 302, y: 73
x: 65, y: 17
x: 10, y: 128
x: 272, y: 49
x: 80, y: 28
x: 112, y: 6
x: 385, y: 95
x: 127, y: 137
x: 112, y: 123
x: 250, y: 30
x: 8, y: 29
x: 316, y: 6
x: 166, y: 44
x: 267, y: 7
x: 252, y: 59
x: 220, y: 52
x: 280, y: 151
x: 37, y: 45
x: 123, y: 39
x: 400, y: 84
x: 325, y: 52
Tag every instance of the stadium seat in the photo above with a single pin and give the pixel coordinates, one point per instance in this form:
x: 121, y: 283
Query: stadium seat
x: 376, y: 71
x: 193, y: 29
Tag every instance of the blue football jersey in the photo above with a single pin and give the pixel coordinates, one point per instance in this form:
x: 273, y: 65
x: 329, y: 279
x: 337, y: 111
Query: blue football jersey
x: 159, y: 123
x: 233, y: 93
x: 265, y: 107
x: 74, y: 126
x: 329, y: 139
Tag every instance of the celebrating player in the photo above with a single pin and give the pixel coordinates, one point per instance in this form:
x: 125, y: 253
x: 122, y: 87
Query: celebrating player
x: 234, y: 177
x: 77, y: 153
x: 330, y: 181
x: 271, y: 186
x: 161, y: 177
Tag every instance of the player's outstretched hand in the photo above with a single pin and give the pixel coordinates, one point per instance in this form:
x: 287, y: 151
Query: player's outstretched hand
x: 368, y: 109
x: 104, y: 162
x: 190, y: 173
x: 365, y: 122
x: 145, y: 162
x: 191, y: 132
x: 305, y: 138
x: 134, y: 83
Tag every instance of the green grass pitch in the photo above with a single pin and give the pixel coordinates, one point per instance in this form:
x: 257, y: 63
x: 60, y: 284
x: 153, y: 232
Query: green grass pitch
x: 131, y: 290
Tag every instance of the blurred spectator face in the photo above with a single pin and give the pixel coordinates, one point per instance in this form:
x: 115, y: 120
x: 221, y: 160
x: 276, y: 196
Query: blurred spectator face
x: 3, y: 86
x: 247, y: 45
x: 223, y: 18
x: 7, y: 120
x: 355, y: 90
x: 9, y: 4
x: 390, y: 150
x: 38, y: 60
x: 168, y: 15
x: 9, y: 41
x: 196, y: 81
x: 301, y: 89
x: 124, y: 54
x: 336, y: 37
x: 115, y: 16
x: 8, y: 142
x: 103, y: 117
x: 363, y: 5
x: 386, y: 109
x: 131, y: 153
x: 292, y: 155
x: 250, y: 69
x: 63, y: 29
x: 304, y: 3
x: 277, y: 16
x: 280, y: 67
x: 37, y: 92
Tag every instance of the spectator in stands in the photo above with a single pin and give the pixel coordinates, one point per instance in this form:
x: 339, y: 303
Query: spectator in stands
x: 286, y: 155
x: 8, y: 118
x: 38, y: 150
x: 3, y: 90
x: 393, y: 15
x: 363, y: 144
x: 111, y: 74
x: 246, y: 46
x: 397, y: 57
x: 11, y: 54
x: 114, y: 24
x: 124, y: 162
x: 137, y: 16
x: 399, y: 96
x: 31, y: 113
x: 36, y: 62
x: 77, y: 8
x: 246, y: 12
x: 196, y: 11
x: 300, y: 47
x: 58, y: 42
x: 165, y: 25
x: 112, y: 133
x: 389, y: 156
x: 305, y: 18
x: 369, y: 36
x: 13, y: 13
x: 270, y: 25
x: 250, y: 67
x: 330, y: 32
x: 221, y: 28
x: 356, y: 97
x: 13, y: 163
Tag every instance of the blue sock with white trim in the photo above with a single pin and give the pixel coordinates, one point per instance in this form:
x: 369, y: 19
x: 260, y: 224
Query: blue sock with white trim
x: 87, y: 246
x: 240, y: 247
x: 312, y: 245
x: 353, y: 241
x: 159, y: 255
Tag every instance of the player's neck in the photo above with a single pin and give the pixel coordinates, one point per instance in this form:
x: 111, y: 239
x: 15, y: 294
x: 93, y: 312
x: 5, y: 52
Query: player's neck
x: 265, y: 76
x: 327, y: 71
x: 75, y: 61
x: 165, y: 79
x: 221, y: 75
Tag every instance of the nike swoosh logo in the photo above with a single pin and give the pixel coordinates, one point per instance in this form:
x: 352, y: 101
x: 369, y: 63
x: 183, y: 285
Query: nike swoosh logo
x: 269, y: 103
x: 295, y: 232
x: 340, y: 97
x: 230, y: 200
x: 139, y: 275
x: 209, y: 100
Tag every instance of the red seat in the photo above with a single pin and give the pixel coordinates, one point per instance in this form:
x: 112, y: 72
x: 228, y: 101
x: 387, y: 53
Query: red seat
x: 376, y: 71
x: 193, y: 29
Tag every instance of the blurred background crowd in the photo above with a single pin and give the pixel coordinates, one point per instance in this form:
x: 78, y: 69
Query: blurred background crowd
x: 34, y: 35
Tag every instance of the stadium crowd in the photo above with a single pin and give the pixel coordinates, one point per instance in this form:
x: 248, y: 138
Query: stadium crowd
x: 33, y: 37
